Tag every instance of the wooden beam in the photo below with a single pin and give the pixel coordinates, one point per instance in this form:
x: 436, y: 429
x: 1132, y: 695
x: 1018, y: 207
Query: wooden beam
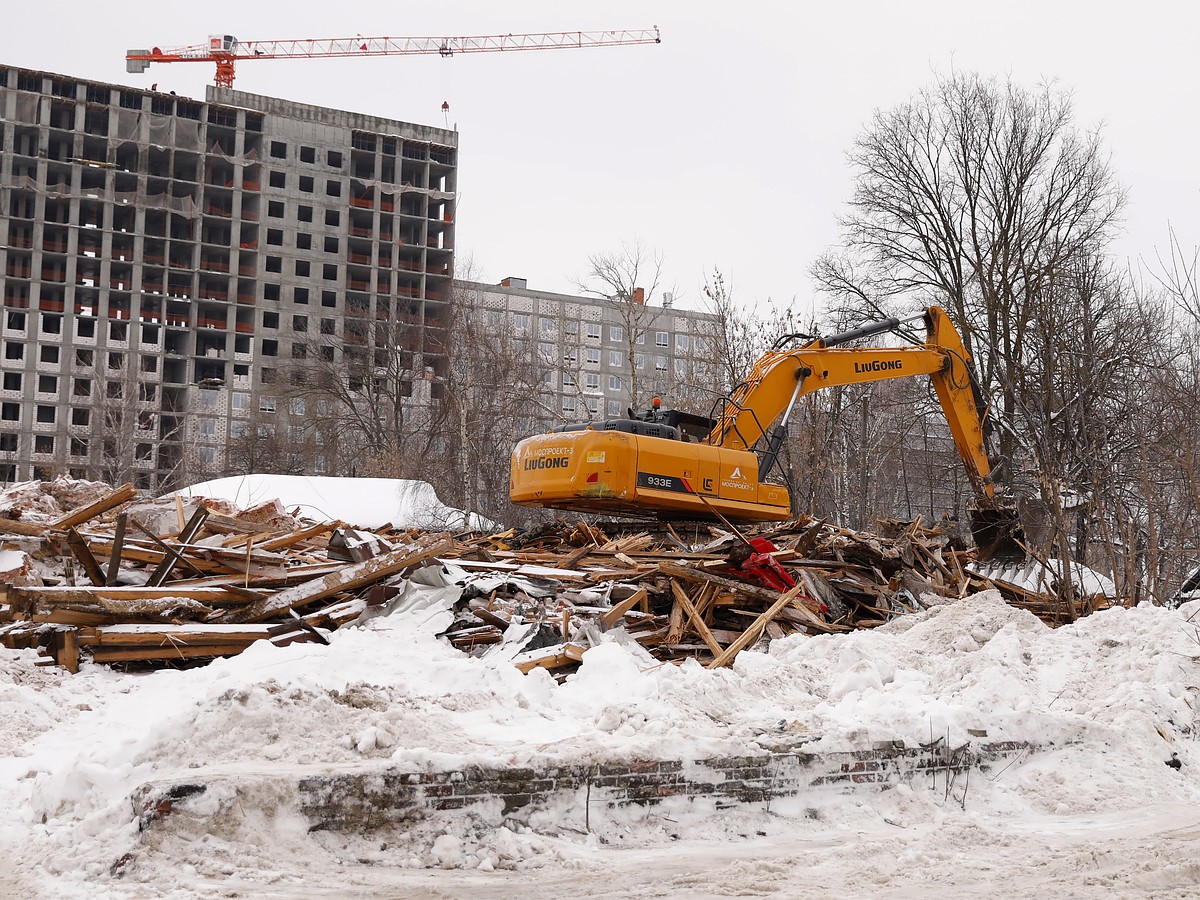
x: 697, y: 620
x: 614, y: 615
x: 346, y: 578
x: 114, y: 559
x: 123, y: 494
x: 175, y: 555
x: 750, y: 635
x: 82, y: 553
x: 25, y: 529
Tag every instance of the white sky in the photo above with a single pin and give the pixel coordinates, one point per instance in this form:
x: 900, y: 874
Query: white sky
x: 723, y: 147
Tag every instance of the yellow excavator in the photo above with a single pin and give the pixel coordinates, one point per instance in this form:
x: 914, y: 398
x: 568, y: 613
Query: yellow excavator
x: 676, y: 465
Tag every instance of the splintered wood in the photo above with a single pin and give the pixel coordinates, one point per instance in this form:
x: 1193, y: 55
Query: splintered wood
x: 157, y: 587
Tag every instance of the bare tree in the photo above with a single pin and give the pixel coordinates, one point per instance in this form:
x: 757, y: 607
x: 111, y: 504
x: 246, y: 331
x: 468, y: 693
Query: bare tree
x: 629, y: 279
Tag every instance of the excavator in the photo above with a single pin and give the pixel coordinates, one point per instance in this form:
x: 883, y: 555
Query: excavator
x: 671, y: 464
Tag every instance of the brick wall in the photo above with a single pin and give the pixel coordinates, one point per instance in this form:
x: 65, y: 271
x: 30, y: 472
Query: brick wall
x: 372, y: 798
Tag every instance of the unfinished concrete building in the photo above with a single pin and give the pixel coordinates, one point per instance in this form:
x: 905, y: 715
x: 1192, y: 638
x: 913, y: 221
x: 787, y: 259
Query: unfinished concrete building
x: 161, y: 257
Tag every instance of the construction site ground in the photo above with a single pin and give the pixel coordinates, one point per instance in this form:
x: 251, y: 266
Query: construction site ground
x: 924, y: 743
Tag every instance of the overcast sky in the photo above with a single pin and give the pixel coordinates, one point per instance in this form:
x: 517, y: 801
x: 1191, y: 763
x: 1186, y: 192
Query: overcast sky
x: 723, y: 147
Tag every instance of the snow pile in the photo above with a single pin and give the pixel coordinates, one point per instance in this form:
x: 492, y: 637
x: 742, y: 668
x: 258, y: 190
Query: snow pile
x: 1113, y: 697
x: 364, y: 502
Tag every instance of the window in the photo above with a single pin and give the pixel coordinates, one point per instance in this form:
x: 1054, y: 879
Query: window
x: 10, y: 412
x: 568, y: 380
x: 616, y: 332
x: 591, y: 381
x: 700, y: 345
x: 641, y: 339
x: 328, y: 326
x: 329, y: 272
x: 270, y: 348
x: 681, y: 343
x: 241, y: 401
x: 279, y: 149
x: 660, y: 339
x: 593, y: 356
x: 299, y: 323
x: 83, y: 358
x: 51, y: 324
x: 593, y: 330
x: 274, y: 264
x: 614, y: 382
x: 303, y: 267
x: 237, y: 429
x: 47, y: 384
x: 12, y: 381
x: 547, y: 350
x: 614, y: 407
x: 149, y: 364
x: 208, y: 426
x: 333, y: 217
x: 547, y: 324
x: 331, y: 245
x: 593, y: 406
x: 43, y: 443
x: 278, y: 180
x: 16, y: 321
x: 46, y: 414
x: 303, y: 241
x: 571, y: 327
x: 81, y: 416
x: 681, y: 367
x: 8, y: 442
x: 79, y: 447
x: 306, y: 184
x: 335, y: 159
x: 329, y: 298
x: 300, y: 295
x: 49, y: 354
x: 639, y: 360
x: 308, y: 155
x: 571, y: 356
x: 333, y: 188
x: 568, y: 404
x: 275, y: 237
x: 493, y: 318
x: 13, y: 350
x: 270, y: 292
x: 275, y: 209
x: 521, y: 322
x: 614, y: 357
x: 304, y: 214
x: 660, y: 363
x: 548, y: 377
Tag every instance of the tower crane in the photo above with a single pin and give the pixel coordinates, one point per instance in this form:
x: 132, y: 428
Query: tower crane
x: 225, y: 50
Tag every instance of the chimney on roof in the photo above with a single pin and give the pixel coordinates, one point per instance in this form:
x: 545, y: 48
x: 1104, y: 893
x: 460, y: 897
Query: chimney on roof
x: 639, y: 296
x: 513, y: 282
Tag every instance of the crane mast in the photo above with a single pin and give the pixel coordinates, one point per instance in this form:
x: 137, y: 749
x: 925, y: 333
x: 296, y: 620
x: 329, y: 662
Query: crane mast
x: 225, y: 50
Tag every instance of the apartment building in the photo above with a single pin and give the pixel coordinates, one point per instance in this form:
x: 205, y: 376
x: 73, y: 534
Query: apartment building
x: 162, y: 257
x: 593, y: 353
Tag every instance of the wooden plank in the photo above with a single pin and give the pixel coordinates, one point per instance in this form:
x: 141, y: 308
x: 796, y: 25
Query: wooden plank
x: 563, y: 655
x: 26, y: 529
x: 63, y: 595
x: 296, y: 537
x: 123, y: 494
x: 169, y: 551
x: 182, y: 635
x: 346, y: 578
x: 66, y: 650
x: 745, y: 589
x: 697, y: 621
x: 80, y: 548
x: 750, y: 635
x: 190, y: 530
x: 199, y: 651
x: 114, y: 558
x: 614, y: 615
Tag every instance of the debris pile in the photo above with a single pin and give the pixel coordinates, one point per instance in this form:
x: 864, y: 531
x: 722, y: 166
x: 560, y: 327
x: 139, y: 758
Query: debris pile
x: 171, y: 582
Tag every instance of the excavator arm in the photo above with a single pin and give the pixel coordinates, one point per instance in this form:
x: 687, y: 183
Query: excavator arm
x: 761, y: 406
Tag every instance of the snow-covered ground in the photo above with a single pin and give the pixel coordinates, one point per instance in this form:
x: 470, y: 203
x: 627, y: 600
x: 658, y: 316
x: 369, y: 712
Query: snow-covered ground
x: 1099, y: 813
x: 364, y: 502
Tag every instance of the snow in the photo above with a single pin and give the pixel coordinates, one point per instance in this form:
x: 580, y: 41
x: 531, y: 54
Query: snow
x: 1112, y: 698
x: 364, y: 502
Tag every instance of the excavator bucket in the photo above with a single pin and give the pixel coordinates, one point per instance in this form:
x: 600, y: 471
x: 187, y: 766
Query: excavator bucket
x: 998, y: 532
